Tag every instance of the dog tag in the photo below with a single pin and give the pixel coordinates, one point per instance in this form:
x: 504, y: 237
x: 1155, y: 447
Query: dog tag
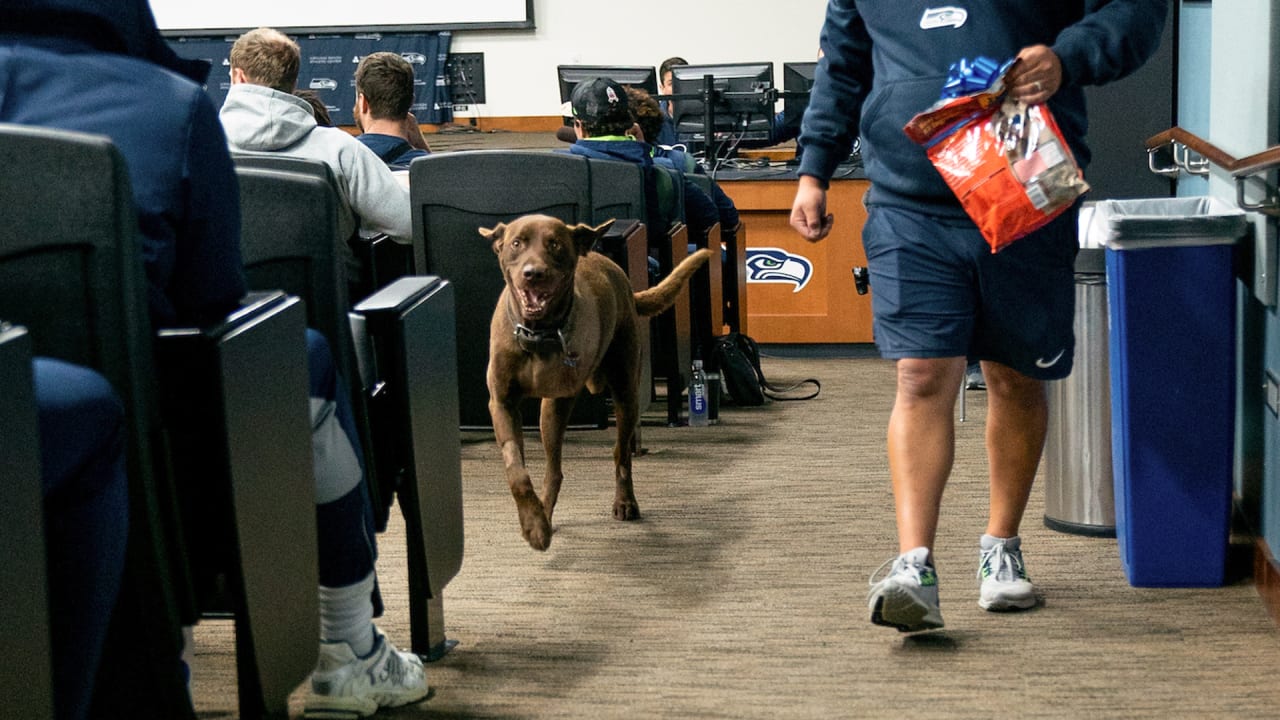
x: 571, y: 359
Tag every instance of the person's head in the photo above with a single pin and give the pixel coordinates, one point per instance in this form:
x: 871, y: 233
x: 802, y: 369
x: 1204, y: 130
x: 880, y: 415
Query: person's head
x: 645, y: 111
x: 266, y: 57
x: 384, y: 87
x: 664, y: 73
x: 127, y: 27
x: 318, y: 108
x: 600, y: 108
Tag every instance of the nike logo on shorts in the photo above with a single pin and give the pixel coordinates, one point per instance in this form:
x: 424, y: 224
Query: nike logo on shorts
x: 1043, y: 364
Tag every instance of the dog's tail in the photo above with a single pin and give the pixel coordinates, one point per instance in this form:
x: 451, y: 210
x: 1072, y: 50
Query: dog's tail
x: 663, y: 295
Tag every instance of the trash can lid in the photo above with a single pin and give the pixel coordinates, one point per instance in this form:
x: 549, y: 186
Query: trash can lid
x: 1166, y: 222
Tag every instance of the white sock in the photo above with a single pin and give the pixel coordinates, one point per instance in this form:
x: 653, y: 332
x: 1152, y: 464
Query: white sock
x: 346, y: 615
x: 989, y: 541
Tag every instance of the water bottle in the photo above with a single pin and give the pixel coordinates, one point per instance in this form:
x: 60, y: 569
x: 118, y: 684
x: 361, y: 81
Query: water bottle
x: 698, y: 396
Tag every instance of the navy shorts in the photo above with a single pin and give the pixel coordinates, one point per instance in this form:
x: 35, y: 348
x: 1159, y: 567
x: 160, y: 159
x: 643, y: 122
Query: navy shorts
x: 938, y: 291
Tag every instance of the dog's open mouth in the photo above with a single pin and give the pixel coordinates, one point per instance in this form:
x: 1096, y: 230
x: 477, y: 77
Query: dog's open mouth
x: 535, y: 302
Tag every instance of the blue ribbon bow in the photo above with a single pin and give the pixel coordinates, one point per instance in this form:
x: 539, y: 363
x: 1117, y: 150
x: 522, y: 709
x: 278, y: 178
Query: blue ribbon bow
x: 966, y: 77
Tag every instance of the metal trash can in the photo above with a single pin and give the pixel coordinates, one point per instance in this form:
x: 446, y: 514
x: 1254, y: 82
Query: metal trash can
x: 1079, y: 494
x: 1172, y: 296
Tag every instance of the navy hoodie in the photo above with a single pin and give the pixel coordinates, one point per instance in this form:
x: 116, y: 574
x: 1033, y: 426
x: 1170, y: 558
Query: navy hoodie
x: 100, y: 66
x: 884, y: 62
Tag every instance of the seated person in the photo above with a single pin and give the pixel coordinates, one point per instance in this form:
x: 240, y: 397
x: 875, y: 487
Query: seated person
x: 318, y: 108
x: 384, y: 94
x: 128, y: 85
x: 605, y: 129
x: 649, y: 121
x: 86, y: 520
x: 262, y: 115
x: 664, y: 80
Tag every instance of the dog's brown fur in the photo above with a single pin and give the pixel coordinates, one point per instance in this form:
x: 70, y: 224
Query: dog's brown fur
x: 581, y: 306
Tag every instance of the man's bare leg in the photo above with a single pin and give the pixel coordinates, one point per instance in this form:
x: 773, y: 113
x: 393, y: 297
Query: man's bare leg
x: 922, y: 444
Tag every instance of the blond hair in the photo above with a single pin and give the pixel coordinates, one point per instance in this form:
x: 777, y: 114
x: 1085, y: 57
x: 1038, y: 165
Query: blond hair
x: 267, y: 57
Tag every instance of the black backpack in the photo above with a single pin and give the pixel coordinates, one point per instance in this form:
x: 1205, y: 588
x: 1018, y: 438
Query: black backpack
x: 737, y: 358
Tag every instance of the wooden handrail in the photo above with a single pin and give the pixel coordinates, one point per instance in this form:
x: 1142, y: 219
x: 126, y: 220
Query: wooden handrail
x: 1257, y: 163
x: 1204, y: 148
x: 1242, y: 169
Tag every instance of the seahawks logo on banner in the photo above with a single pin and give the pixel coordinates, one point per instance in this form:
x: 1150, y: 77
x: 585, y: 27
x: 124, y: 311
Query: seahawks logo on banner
x: 775, y: 265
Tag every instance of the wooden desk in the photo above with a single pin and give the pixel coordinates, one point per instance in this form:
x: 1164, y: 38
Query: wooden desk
x: 824, y: 307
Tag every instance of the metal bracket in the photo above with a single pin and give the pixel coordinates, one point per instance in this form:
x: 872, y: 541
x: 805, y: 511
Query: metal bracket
x: 1269, y: 205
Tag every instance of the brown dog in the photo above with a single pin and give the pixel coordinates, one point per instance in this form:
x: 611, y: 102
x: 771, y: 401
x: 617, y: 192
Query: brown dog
x: 566, y: 319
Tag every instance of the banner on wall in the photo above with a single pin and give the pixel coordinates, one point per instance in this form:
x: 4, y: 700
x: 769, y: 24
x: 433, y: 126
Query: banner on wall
x: 329, y: 65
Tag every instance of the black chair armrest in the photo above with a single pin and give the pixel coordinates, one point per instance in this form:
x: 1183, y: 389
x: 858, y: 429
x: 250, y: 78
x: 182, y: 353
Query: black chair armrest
x: 25, y: 614
x: 234, y: 400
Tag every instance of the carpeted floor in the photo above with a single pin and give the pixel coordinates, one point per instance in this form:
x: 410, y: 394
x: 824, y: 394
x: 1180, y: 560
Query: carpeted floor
x: 741, y: 593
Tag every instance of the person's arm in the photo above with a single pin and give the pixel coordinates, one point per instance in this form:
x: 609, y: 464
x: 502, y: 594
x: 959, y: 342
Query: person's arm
x: 208, y: 274
x: 413, y: 133
x: 381, y: 202
x: 841, y: 84
x: 1113, y: 39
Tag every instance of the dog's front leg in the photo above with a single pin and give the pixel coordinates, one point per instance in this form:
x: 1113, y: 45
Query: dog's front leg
x: 535, y: 526
x: 553, y: 421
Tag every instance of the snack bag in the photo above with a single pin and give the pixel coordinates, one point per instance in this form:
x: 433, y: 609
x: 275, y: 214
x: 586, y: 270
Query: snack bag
x: 1007, y: 162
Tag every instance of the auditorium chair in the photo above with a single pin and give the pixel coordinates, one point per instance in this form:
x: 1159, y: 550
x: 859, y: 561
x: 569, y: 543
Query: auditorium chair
x: 71, y: 272
x: 617, y: 193
x: 455, y: 194
x: 24, y: 613
x: 375, y: 261
x: 396, y: 352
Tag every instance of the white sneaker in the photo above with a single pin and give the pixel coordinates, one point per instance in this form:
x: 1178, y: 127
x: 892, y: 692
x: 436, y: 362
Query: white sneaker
x: 907, y: 598
x: 1005, y: 585
x: 345, y: 686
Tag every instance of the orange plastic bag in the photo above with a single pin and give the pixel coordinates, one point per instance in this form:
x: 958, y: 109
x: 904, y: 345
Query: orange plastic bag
x: 1006, y: 162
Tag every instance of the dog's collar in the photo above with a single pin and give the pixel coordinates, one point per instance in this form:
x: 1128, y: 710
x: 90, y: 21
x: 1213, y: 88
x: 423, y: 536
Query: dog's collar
x: 544, y: 341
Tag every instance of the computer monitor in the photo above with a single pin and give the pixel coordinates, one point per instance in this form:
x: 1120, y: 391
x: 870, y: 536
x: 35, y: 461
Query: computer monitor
x: 636, y: 76
x: 797, y: 78
x: 741, y: 103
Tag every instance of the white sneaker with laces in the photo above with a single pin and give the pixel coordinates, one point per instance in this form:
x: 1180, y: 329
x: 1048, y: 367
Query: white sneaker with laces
x: 907, y: 598
x: 1005, y: 585
x: 346, y: 686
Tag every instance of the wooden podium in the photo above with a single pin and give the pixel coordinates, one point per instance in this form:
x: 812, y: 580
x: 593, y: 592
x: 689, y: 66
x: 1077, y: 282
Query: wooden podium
x: 798, y: 291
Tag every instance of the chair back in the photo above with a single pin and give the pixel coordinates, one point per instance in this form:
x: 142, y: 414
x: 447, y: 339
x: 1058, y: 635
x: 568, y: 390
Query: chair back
x: 455, y: 194
x: 71, y: 272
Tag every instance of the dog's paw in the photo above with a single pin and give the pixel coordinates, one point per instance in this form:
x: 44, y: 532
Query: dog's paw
x: 626, y: 510
x: 534, y: 525
x: 537, y: 534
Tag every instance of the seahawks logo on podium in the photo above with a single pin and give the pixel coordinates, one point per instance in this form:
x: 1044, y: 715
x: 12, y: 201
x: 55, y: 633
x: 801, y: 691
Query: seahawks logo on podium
x: 775, y: 265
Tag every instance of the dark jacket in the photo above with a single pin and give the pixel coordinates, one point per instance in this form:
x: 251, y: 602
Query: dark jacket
x: 396, y: 152
x: 884, y: 62
x: 67, y: 64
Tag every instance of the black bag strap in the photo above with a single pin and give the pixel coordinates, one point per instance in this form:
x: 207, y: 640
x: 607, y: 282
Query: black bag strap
x: 752, y: 351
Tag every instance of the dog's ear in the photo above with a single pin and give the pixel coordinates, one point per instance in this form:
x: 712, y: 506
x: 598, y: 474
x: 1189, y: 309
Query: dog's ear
x: 494, y: 236
x: 585, y: 236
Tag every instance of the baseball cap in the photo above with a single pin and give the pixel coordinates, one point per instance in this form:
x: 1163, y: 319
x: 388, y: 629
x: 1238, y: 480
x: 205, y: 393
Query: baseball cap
x: 600, y: 101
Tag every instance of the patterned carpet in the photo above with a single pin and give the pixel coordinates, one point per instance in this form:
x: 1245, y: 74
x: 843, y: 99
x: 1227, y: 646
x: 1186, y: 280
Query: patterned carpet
x: 741, y: 592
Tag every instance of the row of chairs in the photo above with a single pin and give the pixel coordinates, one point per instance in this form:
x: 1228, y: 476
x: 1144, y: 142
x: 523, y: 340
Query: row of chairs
x: 218, y: 497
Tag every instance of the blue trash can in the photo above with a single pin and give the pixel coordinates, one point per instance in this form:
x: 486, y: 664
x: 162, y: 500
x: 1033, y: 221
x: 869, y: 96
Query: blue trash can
x: 1171, y: 291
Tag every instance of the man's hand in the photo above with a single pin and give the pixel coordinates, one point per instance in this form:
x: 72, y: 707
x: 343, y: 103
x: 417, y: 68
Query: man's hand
x: 1036, y: 76
x: 809, y: 211
x: 413, y: 133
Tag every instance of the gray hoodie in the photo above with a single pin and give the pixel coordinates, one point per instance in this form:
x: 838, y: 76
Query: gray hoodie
x: 258, y: 119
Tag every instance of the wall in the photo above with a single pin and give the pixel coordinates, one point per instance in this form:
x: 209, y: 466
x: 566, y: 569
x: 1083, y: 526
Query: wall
x: 520, y: 66
x: 1243, y: 103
